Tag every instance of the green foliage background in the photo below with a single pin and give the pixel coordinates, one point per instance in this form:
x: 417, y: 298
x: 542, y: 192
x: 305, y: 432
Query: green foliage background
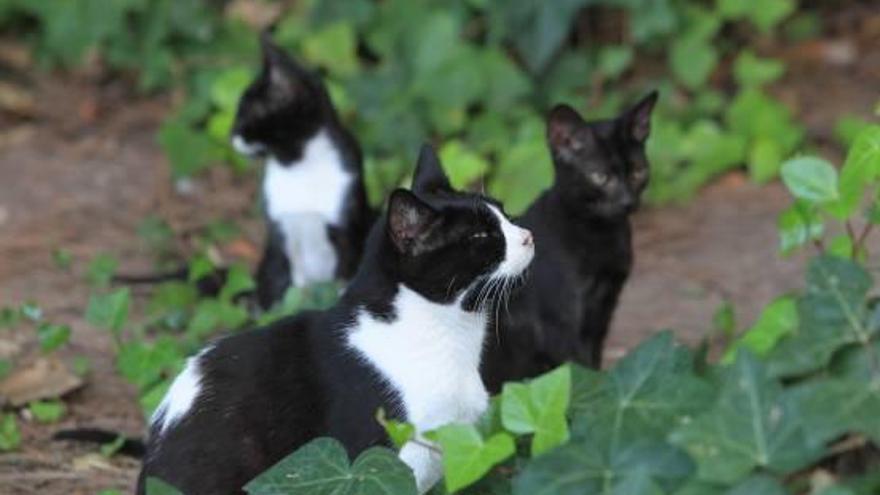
x: 474, y: 75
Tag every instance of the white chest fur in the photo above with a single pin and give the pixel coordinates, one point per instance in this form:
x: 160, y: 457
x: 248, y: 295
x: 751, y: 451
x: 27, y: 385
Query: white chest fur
x: 431, y: 355
x: 304, y: 198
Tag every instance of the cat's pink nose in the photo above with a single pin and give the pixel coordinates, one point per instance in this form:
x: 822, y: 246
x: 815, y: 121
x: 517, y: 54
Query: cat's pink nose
x: 528, y: 240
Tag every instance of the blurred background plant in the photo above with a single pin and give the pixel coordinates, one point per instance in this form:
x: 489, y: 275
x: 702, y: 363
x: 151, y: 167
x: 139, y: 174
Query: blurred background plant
x: 474, y: 75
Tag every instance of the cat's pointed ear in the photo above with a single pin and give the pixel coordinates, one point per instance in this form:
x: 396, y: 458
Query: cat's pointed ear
x: 410, y: 220
x: 562, y: 125
x: 638, y: 118
x: 429, y: 176
x: 282, y: 84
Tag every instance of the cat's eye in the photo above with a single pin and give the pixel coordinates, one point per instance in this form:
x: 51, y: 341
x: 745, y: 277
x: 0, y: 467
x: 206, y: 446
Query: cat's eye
x: 599, y: 178
x: 480, y: 235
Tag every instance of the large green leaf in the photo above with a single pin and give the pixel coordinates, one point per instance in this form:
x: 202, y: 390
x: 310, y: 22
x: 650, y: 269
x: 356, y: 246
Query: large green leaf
x: 321, y: 467
x: 539, y: 407
x: 589, y: 465
x: 466, y: 456
x: 648, y: 392
x: 862, y: 166
x: 751, y: 426
x: 832, y: 314
x: 811, y: 179
x: 758, y: 485
x: 831, y: 407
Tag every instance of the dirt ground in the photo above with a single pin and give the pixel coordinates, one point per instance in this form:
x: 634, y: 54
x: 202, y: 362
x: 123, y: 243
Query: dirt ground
x: 84, y: 169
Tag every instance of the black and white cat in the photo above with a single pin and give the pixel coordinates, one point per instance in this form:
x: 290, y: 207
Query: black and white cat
x: 313, y: 186
x: 581, y: 225
x: 406, y: 335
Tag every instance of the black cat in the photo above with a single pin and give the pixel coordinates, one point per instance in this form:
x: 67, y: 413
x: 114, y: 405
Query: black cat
x: 407, y: 336
x: 582, y: 229
x: 313, y: 188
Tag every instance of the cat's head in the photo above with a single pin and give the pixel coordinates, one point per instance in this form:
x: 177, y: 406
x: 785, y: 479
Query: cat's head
x: 450, y: 245
x: 601, y: 166
x: 281, y: 109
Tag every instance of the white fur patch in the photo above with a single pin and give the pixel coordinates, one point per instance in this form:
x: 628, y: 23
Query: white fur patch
x: 181, y: 396
x: 431, y: 355
x: 245, y: 148
x: 519, y: 248
x: 304, y: 198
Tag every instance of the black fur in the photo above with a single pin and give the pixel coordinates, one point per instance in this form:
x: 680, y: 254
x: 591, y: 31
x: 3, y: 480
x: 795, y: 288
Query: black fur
x: 268, y: 391
x: 583, y: 246
x: 281, y: 110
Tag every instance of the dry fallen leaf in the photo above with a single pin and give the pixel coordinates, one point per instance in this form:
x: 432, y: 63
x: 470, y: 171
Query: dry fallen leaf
x: 43, y: 378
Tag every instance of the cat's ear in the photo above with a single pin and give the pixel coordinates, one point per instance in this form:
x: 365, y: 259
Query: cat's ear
x: 429, y: 176
x: 281, y: 83
x: 638, y: 118
x: 562, y: 125
x: 410, y: 220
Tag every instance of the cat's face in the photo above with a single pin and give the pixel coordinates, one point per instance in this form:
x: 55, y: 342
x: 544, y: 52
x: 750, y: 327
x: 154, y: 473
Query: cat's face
x: 601, y: 166
x: 281, y: 109
x: 448, y: 243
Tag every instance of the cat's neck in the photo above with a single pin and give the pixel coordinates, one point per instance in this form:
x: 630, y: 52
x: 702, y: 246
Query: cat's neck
x: 554, y: 203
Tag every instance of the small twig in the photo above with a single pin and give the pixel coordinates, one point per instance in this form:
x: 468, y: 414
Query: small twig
x: 859, y: 244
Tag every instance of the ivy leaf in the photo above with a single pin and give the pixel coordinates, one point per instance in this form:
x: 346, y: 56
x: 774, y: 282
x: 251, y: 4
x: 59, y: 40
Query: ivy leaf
x: 538, y: 29
x: 589, y: 465
x: 188, y: 150
x: 692, y: 60
x: 398, y: 432
x: 777, y: 320
x: 758, y: 485
x: 614, y: 60
x: 334, y: 47
x: 862, y: 166
x: 238, y: 280
x: 144, y: 363
x: 831, y: 407
x: 765, y: 159
x: 466, y: 456
x: 645, y: 394
x: 461, y: 164
x: 751, y: 70
x: 539, y: 407
x: 798, y: 225
x: 585, y: 383
x: 155, y: 486
x: 50, y: 411
x: 322, y: 467
x: 10, y: 436
x: 109, y: 311
x: 832, y: 314
x: 524, y: 170
x: 52, y: 336
x: 101, y: 270
x: 751, y: 426
x: 212, y: 314
x: 811, y: 179
x: 228, y: 87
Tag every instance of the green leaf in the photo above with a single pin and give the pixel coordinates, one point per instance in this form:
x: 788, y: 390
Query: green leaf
x: 466, y: 456
x: 614, y: 60
x: 52, y: 336
x: 847, y: 129
x: 832, y: 407
x: 588, y: 465
x: 10, y: 436
x: 811, y: 179
x: 62, y: 258
x: 112, y: 448
x: 724, y: 319
x: 144, y: 363
x: 188, y: 150
x: 507, y: 82
x: 228, y: 87
x: 798, y: 225
x: 155, y: 486
x: 109, y: 311
x: 211, y: 315
x: 758, y: 485
x: 101, y: 270
x: 538, y: 29
x: 334, y: 47
x: 765, y: 159
x: 462, y: 165
x: 777, y: 320
x: 539, y: 407
x: 322, y: 467
x: 50, y: 411
x: 585, y: 383
x: 832, y: 314
x: 751, y: 426
x: 751, y: 70
x: 860, y: 170
x: 398, y: 432
x: 238, y: 280
x: 769, y: 13
x: 755, y: 116
x: 646, y: 393
x: 31, y: 311
x: 692, y: 60
x: 524, y: 170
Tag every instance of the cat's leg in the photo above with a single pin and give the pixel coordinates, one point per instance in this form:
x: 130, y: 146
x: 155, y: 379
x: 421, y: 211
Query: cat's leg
x: 426, y: 462
x: 273, y: 273
x: 595, y: 330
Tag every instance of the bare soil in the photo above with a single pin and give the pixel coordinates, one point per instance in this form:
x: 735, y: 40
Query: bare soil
x: 83, y: 169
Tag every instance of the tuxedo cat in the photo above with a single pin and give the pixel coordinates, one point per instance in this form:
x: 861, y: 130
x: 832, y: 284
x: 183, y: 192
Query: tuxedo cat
x: 581, y: 225
x: 406, y: 335
x: 313, y: 187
